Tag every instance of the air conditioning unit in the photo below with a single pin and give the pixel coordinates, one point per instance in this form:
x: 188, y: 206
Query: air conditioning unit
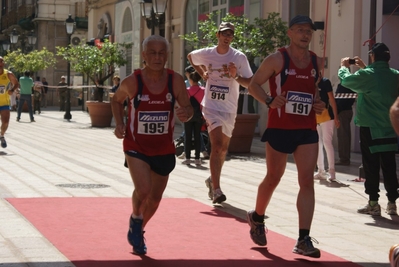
x: 76, y: 39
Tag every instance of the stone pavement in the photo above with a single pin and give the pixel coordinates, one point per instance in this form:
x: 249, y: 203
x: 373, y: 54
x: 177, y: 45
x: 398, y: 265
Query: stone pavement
x: 51, y: 152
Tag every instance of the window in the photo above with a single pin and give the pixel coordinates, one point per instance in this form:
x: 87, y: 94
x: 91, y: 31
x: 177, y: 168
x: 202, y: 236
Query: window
x: 299, y: 7
x: 127, y: 21
x: 4, y: 6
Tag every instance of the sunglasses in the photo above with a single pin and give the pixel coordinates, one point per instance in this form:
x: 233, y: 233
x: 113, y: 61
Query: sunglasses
x: 227, y: 34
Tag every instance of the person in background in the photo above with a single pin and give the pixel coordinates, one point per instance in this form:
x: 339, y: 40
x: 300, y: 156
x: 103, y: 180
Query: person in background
x: 394, y: 117
x: 61, y: 92
x: 26, y: 87
x: 116, y: 81
x: 292, y: 74
x: 376, y: 86
x: 193, y: 127
x: 224, y: 69
x: 8, y: 85
x: 344, y: 133
x: 325, y: 128
x: 38, y: 92
x: 44, y: 95
x: 148, y: 134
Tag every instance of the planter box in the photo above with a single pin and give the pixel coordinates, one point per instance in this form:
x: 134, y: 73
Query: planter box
x: 100, y: 113
x: 243, y: 133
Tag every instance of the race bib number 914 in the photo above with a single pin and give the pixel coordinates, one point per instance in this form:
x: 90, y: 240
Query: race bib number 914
x: 299, y: 103
x: 218, y: 92
x: 153, y: 122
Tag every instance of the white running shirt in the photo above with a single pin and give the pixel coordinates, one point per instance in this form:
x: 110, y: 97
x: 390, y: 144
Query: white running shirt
x: 221, y: 91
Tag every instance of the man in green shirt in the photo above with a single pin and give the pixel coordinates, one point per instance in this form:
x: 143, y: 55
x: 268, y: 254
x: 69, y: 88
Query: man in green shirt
x: 26, y: 84
x: 377, y: 89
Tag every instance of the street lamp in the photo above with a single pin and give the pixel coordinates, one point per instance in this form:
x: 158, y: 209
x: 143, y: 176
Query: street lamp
x: 14, y: 36
x: 32, y: 38
x: 69, y: 24
x: 154, y: 13
x: 6, y: 45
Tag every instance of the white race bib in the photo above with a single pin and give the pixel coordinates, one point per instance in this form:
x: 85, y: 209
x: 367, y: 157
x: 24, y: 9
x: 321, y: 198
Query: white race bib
x: 218, y: 93
x: 2, y: 90
x: 153, y: 122
x: 299, y: 103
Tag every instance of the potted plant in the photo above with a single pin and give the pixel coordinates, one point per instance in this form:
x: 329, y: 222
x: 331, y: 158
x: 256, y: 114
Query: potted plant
x: 255, y: 40
x: 98, y: 63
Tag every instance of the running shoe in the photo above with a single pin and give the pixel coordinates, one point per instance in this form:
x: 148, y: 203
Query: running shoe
x: 198, y: 162
x: 372, y: 210
x: 186, y: 162
x: 218, y: 196
x: 257, y: 231
x: 305, y: 247
x: 208, y: 183
x: 135, y: 236
x: 391, y: 209
x: 3, y: 142
x: 321, y: 175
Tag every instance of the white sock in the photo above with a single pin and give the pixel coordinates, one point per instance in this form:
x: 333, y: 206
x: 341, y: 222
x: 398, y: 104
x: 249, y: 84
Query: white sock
x: 137, y: 216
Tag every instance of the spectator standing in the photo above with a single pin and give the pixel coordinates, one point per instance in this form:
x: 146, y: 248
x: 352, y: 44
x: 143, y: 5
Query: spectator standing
x: 116, y: 80
x: 344, y: 133
x: 325, y: 128
x: 26, y: 88
x: 38, y: 92
x: 8, y: 85
x: 148, y: 135
x: 61, y: 92
x: 193, y: 126
x: 377, y: 88
x: 44, y: 95
x: 224, y: 69
x: 292, y: 73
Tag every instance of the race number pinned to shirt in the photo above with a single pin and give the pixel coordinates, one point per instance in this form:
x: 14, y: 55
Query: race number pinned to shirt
x: 2, y: 89
x: 298, y: 103
x: 153, y: 122
x: 218, y: 93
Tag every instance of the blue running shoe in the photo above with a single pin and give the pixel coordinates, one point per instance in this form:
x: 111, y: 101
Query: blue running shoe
x: 135, y: 236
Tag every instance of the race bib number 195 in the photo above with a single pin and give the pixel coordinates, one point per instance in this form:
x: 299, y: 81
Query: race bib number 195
x: 299, y: 103
x: 153, y: 122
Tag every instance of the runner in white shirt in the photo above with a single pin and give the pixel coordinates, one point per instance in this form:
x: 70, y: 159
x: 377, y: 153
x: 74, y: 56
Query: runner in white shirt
x: 224, y: 69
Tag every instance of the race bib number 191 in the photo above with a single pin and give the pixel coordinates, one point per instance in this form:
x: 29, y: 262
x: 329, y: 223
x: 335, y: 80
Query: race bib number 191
x: 153, y: 122
x: 299, y: 103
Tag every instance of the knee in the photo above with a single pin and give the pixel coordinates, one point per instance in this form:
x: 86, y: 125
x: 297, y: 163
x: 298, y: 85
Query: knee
x: 270, y: 181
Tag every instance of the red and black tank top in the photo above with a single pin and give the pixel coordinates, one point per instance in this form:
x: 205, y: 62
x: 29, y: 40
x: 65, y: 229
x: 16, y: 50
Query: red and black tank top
x: 299, y: 86
x: 150, y: 124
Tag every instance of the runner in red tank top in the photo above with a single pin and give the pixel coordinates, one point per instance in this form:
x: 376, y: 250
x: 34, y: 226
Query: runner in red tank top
x: 148, y: 135
x: 292, y: 74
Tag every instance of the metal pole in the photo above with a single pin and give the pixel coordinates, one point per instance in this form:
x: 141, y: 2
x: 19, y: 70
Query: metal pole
x: 68, y: 115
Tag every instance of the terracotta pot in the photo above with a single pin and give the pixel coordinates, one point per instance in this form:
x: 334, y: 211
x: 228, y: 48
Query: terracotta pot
x: 100, y: 113
x: 243, y: 133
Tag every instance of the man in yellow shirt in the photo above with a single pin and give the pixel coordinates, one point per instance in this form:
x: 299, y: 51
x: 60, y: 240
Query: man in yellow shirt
x: 8, y: 83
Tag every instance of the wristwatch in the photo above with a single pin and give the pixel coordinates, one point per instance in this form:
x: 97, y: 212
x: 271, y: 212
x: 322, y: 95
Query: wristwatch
x: 268, y: 101
x: 237, y: 76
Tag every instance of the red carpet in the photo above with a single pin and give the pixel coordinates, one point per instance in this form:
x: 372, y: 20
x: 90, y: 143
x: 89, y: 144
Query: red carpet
x: 91, y: 232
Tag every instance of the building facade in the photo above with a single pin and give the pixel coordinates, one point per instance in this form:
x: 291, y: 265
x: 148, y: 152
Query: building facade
x: 348, y: 27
